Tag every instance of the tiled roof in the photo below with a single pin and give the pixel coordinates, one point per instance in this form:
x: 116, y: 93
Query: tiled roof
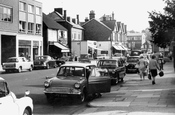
x: 96, y: 30
x: 50, y: 23
x: 110, y: 23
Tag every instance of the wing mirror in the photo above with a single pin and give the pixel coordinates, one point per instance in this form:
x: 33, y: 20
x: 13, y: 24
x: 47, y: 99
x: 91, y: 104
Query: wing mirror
x: 27, y: 92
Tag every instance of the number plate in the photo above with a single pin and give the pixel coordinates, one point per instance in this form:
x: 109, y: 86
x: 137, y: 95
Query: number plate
x: 64, y: 90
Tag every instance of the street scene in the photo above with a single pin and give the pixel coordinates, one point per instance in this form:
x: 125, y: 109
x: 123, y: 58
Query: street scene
x: 65, y: 57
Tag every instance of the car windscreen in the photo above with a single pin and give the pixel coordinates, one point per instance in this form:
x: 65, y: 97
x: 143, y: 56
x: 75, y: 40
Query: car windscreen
x: 12, y: 60
x: 107, y: 63
x: 41, y: 58
x: 132, y: 59
x: 69, y: 71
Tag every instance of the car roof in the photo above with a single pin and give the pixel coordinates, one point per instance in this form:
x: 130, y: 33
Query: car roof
x: 79, y: 64
x: 15, y: 57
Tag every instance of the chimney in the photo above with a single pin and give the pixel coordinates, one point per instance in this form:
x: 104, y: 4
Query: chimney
x: 86, y: 19
x: 68, y: 19
x: 65, y: 15
x: 59, y: 10
x: 74, y: 20
x: 91, y: 14
x: 78, y: 21
x: 112, y: 15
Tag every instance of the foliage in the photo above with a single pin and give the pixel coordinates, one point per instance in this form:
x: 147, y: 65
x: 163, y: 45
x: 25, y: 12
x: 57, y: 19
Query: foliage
x: 162, y: 26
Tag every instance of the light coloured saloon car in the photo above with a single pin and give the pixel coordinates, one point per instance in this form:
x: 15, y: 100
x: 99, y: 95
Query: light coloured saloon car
x: 17, y: 64
x: 78, y: 80
x: 11, y: 105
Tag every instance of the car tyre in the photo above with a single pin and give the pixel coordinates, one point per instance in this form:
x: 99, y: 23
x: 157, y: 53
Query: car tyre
x: 50, y: 98
x: 26, y: 112
x: 83, y: 97
x: 31, y: 68
x: 47, y: 66
x: 19, y: 70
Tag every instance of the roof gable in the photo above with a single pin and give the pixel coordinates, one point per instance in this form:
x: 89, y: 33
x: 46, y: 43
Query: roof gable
x: 50, y: 23
x: 96, y: 30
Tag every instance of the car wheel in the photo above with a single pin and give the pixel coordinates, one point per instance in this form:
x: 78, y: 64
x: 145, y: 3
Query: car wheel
x: 50, y: 98
x: 19, y: 70
x: 115, y: 81
x: 31, y: 68
x: 121, y: 80
x: 26, y: 112
x: 47, y: 66
x: 83, y: 97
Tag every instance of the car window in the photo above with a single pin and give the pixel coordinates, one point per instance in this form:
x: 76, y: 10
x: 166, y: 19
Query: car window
x: 107, y: 63
x: 3, y: 89
x: 98, y: 72
x: 12, y: 60
x: 71, y: 71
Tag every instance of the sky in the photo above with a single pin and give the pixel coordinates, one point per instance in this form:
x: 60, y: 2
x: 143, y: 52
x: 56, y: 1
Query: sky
x: 133, y: 13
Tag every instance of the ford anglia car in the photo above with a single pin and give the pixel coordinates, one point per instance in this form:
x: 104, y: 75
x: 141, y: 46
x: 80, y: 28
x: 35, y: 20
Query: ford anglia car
x: 11, y: 105
x: 131, y: 64
x: 78, y: 80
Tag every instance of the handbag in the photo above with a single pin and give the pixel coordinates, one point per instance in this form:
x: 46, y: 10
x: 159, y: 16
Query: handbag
x: 161, y: 73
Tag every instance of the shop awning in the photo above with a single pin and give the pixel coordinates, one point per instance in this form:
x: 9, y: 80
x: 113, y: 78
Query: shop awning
x: 118, y: 47
x: 124, y: 47
x: 93, y: 47
x: 63, y: 48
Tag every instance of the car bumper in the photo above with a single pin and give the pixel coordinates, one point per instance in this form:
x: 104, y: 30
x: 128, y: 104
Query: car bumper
x: 39, y: 66
x: 9, y: 68
x: 68, y: 91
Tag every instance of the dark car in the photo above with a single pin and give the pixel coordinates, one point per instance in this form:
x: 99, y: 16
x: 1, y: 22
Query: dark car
x: 45, y: 61
x: 115, y: 67
x: 136, y: 52
x: 84, y: 58
x: 78, y: 80
x: 131, y: 64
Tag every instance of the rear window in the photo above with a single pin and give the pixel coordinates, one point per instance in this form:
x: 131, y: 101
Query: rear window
x: 136, y: 53
x: 132, y: 59
x: 107, y: 63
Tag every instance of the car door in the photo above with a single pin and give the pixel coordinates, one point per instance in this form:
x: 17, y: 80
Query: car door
x: 98, y: 83
x: 7, y: 101
x: 121, y: 69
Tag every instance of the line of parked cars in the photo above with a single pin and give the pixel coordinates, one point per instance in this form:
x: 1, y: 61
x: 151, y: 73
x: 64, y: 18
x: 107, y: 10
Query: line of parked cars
x: 18, y: 64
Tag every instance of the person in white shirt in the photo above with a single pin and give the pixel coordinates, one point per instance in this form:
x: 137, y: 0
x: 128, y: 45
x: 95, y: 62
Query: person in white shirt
x: 153, y: 67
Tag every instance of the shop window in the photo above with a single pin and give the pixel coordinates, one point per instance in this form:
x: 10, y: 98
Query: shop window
x: 5, y: 14
x: 22, y: 26
x: 38, y: 28
x: 30, y: 27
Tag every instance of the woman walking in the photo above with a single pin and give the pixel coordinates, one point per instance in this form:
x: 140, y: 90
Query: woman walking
x: 142, y: 66
x: 153, y: 67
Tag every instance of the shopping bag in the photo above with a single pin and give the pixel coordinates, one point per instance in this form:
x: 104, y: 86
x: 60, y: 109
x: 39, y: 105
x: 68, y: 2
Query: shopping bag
x: 161, y: 73
x: 149, y: 76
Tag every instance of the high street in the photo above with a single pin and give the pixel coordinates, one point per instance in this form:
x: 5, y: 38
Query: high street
x: 132, y: 97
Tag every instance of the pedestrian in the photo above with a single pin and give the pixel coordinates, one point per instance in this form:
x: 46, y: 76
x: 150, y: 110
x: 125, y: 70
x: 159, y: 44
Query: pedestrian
x: 160, y: 61
x: 153, y: 67
x: 142, y: 66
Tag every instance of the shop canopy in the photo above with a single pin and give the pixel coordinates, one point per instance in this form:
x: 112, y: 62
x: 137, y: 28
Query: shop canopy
x: 62, y: 47
x: 118, y: 47
x: 93, y: 47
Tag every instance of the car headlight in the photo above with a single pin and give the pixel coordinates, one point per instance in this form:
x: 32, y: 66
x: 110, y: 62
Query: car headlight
x: 46, y: 84
x: 77, y: 85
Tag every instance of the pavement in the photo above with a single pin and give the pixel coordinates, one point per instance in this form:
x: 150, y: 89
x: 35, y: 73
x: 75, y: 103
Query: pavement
x: 136, y: 97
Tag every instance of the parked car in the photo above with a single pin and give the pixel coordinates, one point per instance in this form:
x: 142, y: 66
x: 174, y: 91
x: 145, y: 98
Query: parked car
x: 102, y: 56
x: 11, y: 105
x: 84, y: 58
x: 136, y: 52
x: 17, y: 64
x: 44, y: 61
x: 78, y: 80
x: 115, y: 67
x: 131, y: 64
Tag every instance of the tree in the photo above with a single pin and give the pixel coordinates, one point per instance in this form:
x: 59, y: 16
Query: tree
x: 162, y: 26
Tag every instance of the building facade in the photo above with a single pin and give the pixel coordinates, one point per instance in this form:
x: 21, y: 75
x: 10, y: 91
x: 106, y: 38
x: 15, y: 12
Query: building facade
x: 20, y: 30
